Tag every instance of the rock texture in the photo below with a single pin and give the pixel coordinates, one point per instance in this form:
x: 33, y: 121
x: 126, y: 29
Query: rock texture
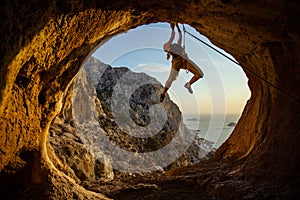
x: 45, y: 42
x: 77, y: 134
x: 151, y: 125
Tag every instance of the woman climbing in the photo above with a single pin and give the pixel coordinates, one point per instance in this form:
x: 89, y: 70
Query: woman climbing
x: 180, y: 60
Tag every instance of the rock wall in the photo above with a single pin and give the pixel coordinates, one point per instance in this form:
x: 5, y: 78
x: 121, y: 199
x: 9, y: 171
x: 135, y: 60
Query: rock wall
x: 76, y: 134
x: 45, y: 42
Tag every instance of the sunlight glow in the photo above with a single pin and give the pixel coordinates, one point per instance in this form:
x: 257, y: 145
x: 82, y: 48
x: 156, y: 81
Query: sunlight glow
x: 140, y: 49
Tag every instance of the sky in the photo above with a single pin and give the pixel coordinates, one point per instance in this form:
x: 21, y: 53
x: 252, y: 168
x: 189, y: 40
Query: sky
x: 223, y: 89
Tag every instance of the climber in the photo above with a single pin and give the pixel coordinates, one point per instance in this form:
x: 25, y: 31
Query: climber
x: 180, y: 60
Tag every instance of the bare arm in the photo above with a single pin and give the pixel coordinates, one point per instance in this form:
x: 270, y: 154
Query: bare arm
x: 179, y: 41
x: 169, y: 42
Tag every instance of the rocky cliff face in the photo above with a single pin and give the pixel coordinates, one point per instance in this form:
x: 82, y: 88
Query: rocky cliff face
x: 44, y: 44
x: 78, y: 134
x: 66, y: 137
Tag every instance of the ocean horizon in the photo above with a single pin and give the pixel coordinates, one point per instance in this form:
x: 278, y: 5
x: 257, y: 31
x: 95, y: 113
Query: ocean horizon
x: 212, y: 127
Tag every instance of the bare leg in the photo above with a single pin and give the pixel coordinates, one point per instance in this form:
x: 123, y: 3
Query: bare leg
x: 194, y: 79
x: 164, y: 91
x: 172, y: 77
x: 162, y: 95
x: 167, y: 86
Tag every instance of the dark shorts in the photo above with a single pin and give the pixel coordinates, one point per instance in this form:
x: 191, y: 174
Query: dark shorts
x: 180, y: 63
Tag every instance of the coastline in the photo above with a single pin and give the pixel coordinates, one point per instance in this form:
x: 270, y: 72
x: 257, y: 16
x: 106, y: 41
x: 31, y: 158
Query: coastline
x: 213, y: 128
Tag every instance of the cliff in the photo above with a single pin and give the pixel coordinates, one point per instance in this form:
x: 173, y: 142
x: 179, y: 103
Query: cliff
x: 93, y: 140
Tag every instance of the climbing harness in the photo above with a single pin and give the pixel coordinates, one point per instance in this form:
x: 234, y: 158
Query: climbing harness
x: 232, y: 60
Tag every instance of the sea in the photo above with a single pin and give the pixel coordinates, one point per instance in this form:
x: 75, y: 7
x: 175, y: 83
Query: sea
x: 215, y: 128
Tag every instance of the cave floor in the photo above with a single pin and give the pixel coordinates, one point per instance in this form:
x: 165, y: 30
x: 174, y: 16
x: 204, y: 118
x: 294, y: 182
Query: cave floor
x: 205, y: 180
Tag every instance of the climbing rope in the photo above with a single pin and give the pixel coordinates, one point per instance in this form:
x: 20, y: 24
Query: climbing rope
x: 248, y: 70
x: 184, y: 52
x: 184, y: 31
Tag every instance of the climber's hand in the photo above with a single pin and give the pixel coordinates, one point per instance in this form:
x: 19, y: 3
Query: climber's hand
x: 178, y: 27
x: 172, y: 25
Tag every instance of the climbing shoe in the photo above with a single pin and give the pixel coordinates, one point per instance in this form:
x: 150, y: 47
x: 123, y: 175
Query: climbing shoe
x: 162, y: 97
x: 188, y: 87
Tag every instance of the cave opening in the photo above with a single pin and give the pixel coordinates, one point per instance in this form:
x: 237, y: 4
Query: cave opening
x: 262, y: 152
x: 223, y: 92
x: 129, y: 55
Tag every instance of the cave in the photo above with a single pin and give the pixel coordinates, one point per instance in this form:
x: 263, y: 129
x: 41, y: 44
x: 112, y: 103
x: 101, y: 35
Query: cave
x: 44, y: 44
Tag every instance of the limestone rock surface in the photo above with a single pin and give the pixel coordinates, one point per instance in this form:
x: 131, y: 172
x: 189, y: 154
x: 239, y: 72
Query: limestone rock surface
x: 77, y: 134
x: 44, y: 43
